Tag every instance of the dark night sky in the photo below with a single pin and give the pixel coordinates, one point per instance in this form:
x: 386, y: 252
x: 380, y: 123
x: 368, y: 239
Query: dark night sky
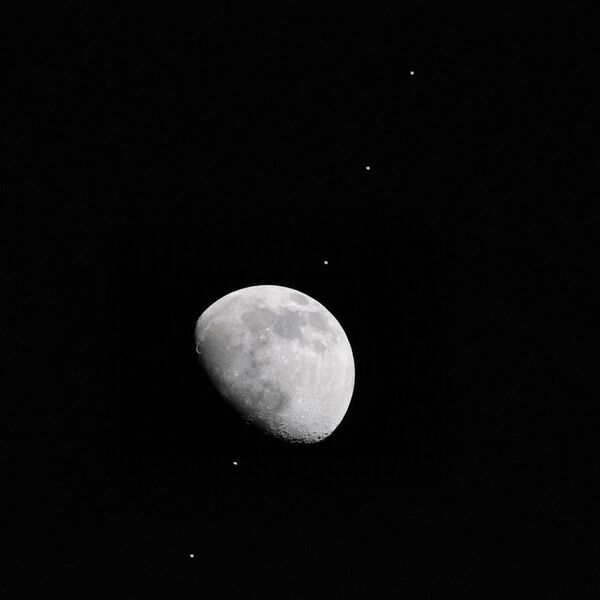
x: 157, y: 162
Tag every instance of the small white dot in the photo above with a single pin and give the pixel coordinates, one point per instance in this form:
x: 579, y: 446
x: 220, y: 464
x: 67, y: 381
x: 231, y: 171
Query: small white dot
x: 368, y: 168
x: 325, y: 262
x: 412, y: 72
x: 191, y: 556
x: 235, y: 462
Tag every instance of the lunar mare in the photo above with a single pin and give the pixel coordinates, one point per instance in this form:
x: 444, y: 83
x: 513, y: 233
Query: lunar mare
x: 280, y: 358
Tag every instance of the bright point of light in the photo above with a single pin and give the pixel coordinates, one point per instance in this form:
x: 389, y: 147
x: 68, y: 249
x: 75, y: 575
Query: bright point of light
x: 191, y: 556
x: 368, y: 168
x: 412, y: 72
x: 325, y: 262
x: 235, y: 462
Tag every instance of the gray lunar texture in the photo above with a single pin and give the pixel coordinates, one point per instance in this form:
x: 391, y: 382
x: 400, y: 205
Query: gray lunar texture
x: 280, y: 358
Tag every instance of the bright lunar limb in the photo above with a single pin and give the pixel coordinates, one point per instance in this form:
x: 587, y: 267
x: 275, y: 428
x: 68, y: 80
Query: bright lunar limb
x: 280, y: 358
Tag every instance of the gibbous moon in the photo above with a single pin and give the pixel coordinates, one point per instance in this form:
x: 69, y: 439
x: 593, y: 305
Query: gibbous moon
x: 280, y: 358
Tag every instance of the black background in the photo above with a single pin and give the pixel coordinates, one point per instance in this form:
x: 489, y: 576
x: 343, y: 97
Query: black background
x: 155, y: 162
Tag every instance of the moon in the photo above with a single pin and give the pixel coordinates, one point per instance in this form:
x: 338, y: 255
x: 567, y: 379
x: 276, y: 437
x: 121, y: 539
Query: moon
x: 280, y: 359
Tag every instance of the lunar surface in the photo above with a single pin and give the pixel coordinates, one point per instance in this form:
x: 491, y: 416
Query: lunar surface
x: 280, y: 358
